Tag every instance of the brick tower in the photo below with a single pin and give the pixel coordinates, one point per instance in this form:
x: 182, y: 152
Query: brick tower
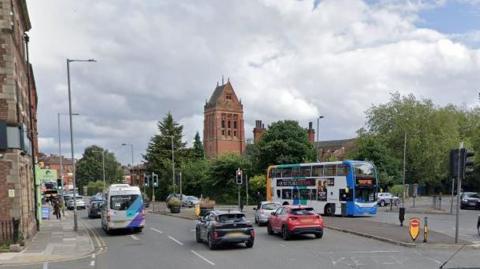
x: 223, y: 130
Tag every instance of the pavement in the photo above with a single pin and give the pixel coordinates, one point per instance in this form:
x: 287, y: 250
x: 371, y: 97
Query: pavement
x: 169, y: 242
x: 56, y: 241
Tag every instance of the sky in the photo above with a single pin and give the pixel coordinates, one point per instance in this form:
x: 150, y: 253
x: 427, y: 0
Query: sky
x: 286, y: 59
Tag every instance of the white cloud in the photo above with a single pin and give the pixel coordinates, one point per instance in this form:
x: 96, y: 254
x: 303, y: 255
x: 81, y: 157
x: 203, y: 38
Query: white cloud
x: 285, y: 59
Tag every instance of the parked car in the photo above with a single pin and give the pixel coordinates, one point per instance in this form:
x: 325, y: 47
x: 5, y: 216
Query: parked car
x: 190, y: 201
x: 294, y: 220
x: 80, y: 203
x: 385, y: 198
x: 94, y: 208
x: 265, y: 211
x: 222, y: 227
x: 470, y: 200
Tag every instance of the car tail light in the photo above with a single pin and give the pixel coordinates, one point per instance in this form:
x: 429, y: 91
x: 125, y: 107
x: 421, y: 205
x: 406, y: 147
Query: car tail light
x: 292, y: 218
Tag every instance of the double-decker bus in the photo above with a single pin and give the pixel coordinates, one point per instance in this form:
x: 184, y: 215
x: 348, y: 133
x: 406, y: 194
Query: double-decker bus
x: 346, y: 188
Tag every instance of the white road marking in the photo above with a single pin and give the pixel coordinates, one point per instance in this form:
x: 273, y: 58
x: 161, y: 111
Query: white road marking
x: 45, y: 265
x: 92, y: 263
x: 175, y: 240
x: 192, y: 230
x: 203, y: 258
x: 282, y: 245
x: 134, y: 237
x: 156, y: 230
x: 93, y: 256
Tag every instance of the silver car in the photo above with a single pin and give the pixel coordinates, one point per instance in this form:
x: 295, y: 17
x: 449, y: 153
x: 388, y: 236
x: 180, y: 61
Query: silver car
x: 80, y: 203
x: 264, y: 211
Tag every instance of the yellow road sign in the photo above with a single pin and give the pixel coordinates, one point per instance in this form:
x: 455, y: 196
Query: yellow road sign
x: 414, y: 228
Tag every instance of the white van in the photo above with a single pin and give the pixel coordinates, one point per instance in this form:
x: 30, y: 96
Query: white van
x: 123, y: 208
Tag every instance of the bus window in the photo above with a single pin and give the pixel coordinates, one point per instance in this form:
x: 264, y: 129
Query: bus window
x: 287, y: 194
x: 296, y: 194
x: 279, y: 194
x: 295, y: 171
x: 330, y: 170
x: 287, y: 172
x: 317, y: 171
x: 342, y: 170
x: 307, y: 194
x: 365, y: 195
x: 306, y: 171
x: 277, y: 172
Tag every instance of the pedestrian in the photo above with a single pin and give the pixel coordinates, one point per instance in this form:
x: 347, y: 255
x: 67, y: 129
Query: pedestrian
x: 56, y: 208
x: 259, y: 199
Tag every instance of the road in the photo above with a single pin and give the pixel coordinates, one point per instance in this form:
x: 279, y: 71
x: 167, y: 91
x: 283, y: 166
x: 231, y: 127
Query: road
x: 168, y: 242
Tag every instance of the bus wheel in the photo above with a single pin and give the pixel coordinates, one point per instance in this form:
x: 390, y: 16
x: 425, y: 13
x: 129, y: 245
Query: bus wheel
x: 285, y: 203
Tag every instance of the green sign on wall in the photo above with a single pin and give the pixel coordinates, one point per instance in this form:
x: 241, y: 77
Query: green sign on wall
x: 45, y: 175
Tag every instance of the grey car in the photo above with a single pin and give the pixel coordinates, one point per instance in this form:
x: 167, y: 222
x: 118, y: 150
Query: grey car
x: 264, y: 211
x: 79, y: 201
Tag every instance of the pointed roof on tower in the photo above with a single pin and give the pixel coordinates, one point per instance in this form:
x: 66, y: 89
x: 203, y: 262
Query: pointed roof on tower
x: 219, y: 93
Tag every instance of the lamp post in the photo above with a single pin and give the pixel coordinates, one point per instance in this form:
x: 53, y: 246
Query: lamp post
x: 60, y: 150
x: 318, y: 135
x: 131, y: 169
x: 173, y: 163
x: 75, y: 222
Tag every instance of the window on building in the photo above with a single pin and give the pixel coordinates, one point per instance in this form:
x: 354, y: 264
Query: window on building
x: 228, y: 96
x: 235, y: 124
x: 228, y: 124
x: 223, y: 132
x: 223, y: 123
x: 235, y: 133
x: 229, y: 133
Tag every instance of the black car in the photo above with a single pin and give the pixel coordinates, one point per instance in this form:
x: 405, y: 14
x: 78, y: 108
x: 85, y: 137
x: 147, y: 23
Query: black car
x: 470, y: 200
x: 94, y: 209
x: 222, y: 227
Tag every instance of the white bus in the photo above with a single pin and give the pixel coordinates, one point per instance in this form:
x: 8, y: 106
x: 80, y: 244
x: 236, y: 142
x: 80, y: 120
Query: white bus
x: 123, y: 208
x: 344, y: 188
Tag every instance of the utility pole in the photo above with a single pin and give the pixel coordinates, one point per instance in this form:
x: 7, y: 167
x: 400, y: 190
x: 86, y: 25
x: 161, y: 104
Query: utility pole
x: 404, y: 167
x: 318, y: 136
x: 180, y: 187
x: 246, y: 188
x: 173, y: 166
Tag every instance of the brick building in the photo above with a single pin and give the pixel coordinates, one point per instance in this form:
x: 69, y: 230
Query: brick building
x: 260, y: 129
x: 334, y: 149
x: 18, y: 103
x: 53, y: 162
x: 223, y: 129
x: 136, y: 175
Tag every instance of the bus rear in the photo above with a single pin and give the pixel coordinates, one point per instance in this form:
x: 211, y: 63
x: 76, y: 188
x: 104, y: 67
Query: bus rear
x: 123, y: 209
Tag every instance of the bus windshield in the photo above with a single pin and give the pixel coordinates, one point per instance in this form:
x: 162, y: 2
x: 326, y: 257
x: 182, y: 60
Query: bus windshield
x: 122, y: 202
x: 365, y: 182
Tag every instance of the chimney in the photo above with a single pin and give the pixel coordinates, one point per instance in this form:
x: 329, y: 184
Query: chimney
x: 258, y: 131
x: 311, y: 133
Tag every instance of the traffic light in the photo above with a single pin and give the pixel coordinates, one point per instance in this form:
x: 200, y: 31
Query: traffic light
x: 238, y: 176
x: 59, y: 183
x: 146, y: 180
x: 454, y: 163
x: 466, y: 162
x: 155, y: 179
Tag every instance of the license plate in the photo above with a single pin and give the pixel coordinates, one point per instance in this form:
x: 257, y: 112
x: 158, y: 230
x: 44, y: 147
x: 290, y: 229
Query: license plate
x: 305, y: 221
x: 236, y: 234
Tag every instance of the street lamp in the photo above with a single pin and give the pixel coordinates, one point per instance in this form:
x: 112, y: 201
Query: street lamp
x: 103, y: 166
x: 318, y: 135
x: 75, y: 222
x: 60, y: 149
x: 173, y: 164
x: 131, y: 149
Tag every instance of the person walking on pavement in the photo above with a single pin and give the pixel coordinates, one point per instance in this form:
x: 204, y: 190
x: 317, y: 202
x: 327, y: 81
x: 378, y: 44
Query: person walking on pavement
x: 56, y: 208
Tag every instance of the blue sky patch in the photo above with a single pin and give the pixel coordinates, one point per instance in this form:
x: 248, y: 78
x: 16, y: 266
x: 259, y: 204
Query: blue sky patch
x: 451, y: 18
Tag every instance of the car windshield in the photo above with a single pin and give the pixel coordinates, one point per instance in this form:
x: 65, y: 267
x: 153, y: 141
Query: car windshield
x: 270, y: 206
x: 231, y: 218
x: 122, y: 202
x: 302, y: 211
x: 473, y: 195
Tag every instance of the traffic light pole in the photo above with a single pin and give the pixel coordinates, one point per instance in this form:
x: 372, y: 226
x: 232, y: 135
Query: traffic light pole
x: 459, y: 188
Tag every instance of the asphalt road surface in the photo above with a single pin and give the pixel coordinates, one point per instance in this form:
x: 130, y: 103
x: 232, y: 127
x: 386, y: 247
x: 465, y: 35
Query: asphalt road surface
x: 169, y: 242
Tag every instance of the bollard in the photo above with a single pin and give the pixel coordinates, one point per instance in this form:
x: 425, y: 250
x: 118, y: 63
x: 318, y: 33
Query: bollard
x: 425, y: 230
x: 401, y: 215
x: 391, y: 205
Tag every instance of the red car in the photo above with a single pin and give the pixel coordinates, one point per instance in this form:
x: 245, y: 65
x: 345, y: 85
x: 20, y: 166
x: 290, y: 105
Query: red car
x: 293, y: 220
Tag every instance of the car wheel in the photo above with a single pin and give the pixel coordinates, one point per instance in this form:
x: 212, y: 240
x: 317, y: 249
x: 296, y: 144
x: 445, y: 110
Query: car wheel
x: 462, y: 206
x: 249, y: 244
x: 382, y: 203
x: 285, y: 233
x: 269, y: 229
x: 197, y: 236
x: 211, y: 244
x: 319, y: 235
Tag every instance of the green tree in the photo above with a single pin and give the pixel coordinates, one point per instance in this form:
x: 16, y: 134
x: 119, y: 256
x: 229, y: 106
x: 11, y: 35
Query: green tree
x: 198, y: 151
x: 159, y: 154
x: 284, y: 142
x: 90, y: 168
x: 220, y: 183
x: 194, y: 174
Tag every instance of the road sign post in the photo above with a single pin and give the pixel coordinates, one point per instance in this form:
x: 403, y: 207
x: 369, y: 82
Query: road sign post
x: 414, y: 228
x: 154, y: 185
x: 238, y: 179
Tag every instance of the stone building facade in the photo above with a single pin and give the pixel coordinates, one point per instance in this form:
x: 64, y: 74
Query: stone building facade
x: 223, y: 129
x: 18, y: 102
